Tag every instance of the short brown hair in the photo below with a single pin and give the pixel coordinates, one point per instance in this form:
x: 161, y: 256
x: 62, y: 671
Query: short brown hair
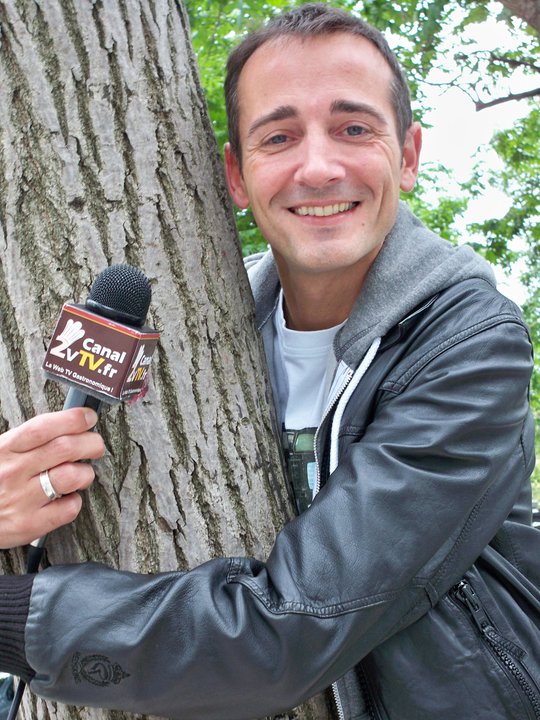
x: 310, y: 20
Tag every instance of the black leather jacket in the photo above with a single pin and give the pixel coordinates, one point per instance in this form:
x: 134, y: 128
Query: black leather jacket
x: 431, y: 486
x: 441, y: 636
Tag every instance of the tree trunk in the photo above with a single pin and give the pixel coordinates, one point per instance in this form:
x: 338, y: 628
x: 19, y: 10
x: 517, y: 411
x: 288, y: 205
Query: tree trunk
x: 528, y: 10
x: 107, y: 155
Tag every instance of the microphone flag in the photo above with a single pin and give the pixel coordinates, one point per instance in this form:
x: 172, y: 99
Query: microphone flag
x: 98, y: 355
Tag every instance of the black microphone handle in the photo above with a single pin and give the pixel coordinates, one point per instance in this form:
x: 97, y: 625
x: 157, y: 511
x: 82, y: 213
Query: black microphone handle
x: 78, y: 398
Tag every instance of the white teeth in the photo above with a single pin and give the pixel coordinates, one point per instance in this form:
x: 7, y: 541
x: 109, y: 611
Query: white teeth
x: 324, y: 210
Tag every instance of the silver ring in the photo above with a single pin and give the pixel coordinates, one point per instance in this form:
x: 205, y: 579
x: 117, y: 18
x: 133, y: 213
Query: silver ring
x: 47, y: 486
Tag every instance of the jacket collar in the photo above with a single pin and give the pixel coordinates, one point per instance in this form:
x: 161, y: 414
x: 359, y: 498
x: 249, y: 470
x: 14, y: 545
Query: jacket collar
x: 414, y: 264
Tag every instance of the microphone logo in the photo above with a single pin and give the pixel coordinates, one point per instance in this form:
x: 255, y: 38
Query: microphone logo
x: 99, y: 354
x: 139, y: 368
x: 72, y: 332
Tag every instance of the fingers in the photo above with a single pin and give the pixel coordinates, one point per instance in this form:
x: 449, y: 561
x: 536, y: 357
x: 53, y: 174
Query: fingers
x: 64, y: 479
x: 43, y: 428
x: 57, y: 513
x: 47, y: 441
x: 21, y: 530
x: 55, y: 442
x: 26, y: 513
x: 63, y: 449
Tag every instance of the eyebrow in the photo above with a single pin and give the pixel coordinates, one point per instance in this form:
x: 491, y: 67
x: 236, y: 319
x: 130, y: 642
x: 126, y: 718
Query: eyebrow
x: 350, y: 106
x: 283, y: 112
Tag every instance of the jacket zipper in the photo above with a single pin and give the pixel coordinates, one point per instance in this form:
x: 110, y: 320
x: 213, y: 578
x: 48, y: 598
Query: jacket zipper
x: 506, y: 651
x: 347, y: 377
x: 334, y: 402
x: 337, y: 700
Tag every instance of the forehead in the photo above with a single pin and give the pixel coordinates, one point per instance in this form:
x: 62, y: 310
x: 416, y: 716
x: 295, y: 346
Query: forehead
x: 292, y: 71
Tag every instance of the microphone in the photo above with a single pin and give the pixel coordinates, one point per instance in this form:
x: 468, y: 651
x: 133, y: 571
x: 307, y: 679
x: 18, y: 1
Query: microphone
x: 102, y: 349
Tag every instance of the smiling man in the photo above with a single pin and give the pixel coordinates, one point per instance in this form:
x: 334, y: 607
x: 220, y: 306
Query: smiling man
x: 321, y: 164
x: 410, y: 579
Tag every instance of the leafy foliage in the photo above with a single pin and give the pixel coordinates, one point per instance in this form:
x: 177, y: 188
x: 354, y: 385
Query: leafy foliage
x: 519, y: 149
x: 441, y: 215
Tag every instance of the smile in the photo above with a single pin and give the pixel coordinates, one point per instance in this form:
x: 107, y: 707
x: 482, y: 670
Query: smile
x: 324, y: 210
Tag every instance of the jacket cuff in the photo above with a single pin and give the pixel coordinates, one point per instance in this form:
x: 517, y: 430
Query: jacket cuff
x: 15, y: 593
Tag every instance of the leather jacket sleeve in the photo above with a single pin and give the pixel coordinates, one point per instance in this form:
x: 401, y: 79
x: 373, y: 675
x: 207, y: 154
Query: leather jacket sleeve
x: 428, y: 472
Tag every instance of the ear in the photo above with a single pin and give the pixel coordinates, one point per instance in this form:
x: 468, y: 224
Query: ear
x: 411, y: 157
x: 235, y: 181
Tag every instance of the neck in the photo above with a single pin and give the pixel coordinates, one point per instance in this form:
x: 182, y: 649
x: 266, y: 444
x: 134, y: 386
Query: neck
x: 318, y: 305
x: 319, y: 300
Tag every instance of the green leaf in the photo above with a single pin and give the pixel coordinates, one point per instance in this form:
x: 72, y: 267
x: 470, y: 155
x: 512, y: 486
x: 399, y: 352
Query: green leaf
x: 477, y: 14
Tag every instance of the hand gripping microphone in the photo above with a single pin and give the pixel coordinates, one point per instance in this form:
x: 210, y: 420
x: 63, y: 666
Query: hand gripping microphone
x: 102, y: 349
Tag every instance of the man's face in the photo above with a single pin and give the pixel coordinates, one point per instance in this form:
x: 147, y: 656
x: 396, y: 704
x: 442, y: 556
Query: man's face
x: 321, y: 162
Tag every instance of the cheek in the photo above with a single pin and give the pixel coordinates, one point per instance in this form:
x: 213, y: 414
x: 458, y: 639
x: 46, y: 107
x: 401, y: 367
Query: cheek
x: 381, y: 164
x: 270, y: 172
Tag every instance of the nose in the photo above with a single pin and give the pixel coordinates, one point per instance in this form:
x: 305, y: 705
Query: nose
x: 319, y: 162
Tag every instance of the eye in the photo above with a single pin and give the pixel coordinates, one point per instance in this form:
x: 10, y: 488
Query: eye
x: 277, y: 139
x: 355, y: 130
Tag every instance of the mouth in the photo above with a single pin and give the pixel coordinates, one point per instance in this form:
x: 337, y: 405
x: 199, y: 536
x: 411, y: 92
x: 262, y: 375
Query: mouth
x: 323, y: 210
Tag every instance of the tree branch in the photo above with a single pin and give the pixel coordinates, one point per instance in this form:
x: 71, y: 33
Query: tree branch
x: 487, y: 56
x: 479, y: 105
x: 514, y: 63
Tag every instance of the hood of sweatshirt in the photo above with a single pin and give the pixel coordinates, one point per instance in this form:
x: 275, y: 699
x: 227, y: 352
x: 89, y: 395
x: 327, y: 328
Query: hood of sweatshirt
x: 413, y: 265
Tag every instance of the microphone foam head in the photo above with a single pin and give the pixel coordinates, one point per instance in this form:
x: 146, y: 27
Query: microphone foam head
x: 124, y: 291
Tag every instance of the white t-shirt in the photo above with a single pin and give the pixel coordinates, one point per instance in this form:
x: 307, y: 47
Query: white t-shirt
x: 307, y: 363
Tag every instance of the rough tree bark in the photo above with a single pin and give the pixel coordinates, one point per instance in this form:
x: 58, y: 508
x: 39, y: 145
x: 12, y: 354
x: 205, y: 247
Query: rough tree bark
x: 107, y: 155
